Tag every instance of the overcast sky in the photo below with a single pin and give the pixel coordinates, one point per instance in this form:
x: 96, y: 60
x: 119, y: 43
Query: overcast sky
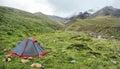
x: 61, y: 8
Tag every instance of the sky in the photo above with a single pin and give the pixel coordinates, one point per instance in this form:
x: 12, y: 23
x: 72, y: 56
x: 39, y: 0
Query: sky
x: 62, y: 8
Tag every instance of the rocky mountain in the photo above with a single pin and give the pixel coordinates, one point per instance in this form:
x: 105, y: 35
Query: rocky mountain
x: 107, y: 11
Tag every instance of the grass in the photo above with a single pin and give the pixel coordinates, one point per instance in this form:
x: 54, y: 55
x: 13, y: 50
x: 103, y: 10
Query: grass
x: 105, y: 25
x: 85, y: 51
x: 14, y: 20
x: 68, y: 49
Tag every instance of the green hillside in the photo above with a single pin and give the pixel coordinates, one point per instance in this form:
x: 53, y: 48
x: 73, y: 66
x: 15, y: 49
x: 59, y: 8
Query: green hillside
x: 48, y: 17
x: 20, y: 24
x: 13, y: 21
x: 70, y: 49
x: 106, y: 25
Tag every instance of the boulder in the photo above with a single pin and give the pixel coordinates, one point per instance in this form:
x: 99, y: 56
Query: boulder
x: 36, y: 65
x: 24, y: 60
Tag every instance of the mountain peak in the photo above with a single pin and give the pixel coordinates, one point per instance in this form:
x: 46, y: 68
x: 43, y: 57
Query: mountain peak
x: 107, y: 11
x: 109, y: 7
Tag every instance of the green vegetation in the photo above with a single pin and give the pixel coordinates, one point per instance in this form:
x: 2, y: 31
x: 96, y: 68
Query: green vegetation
x: 105, y: 25
x: 14, y: 21
x: 66, y: 49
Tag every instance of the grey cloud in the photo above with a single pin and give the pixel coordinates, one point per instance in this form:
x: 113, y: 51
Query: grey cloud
x: 116, y: 3
x: 68, y: 7
x: 63, y: 7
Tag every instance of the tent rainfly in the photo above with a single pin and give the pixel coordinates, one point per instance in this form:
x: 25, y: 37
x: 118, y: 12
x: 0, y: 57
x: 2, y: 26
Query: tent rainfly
x: 28, y: 48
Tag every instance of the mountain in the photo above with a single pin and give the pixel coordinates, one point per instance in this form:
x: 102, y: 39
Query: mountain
x: 105, y: 21
x: 80, y: 15
x: 14, y: 20
x: 107, y: 11
x: 65, y: 49
x: 57, y: 18
x: 106, y: 25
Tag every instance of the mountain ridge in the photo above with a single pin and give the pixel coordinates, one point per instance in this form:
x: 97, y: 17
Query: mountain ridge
x: 105, y: 11
x: 14, y: 20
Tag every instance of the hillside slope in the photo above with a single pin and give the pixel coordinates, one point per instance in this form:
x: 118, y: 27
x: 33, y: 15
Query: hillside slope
x: 16, y: 21
x: 105, y: 25
x: 56, y: 19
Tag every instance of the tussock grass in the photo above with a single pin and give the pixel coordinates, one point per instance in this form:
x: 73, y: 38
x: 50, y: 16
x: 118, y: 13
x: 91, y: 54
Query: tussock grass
x: 67, y: 53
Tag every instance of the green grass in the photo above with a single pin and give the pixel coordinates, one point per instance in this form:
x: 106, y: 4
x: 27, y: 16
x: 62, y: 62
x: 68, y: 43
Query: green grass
x: 88, y: 52
x: 14, y: 20
x: 68, y: 49
x: 105, y: 25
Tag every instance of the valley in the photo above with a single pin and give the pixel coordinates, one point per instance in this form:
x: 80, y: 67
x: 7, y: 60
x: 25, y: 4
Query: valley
x: 68, y: 45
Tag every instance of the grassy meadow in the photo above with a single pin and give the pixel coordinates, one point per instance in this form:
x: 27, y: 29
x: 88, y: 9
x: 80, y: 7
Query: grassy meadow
x: 66, y: 50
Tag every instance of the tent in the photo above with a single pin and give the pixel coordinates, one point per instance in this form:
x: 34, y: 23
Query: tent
x: 28, y: 48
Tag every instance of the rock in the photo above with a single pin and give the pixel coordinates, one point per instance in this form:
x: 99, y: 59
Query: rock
x: 4, y: 50
x: 9, y: 59
x: 36, y: 65
x: 8, y: 56
x: 24, y: 60
x: 73, y: 61
x: 114, y: 62
x: 30, y: 58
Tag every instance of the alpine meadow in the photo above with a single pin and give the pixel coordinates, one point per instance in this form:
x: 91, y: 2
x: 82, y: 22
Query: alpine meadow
x: 83, y: 41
